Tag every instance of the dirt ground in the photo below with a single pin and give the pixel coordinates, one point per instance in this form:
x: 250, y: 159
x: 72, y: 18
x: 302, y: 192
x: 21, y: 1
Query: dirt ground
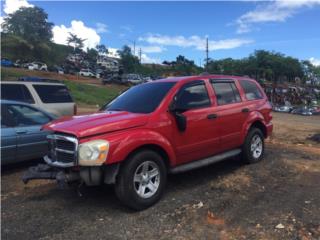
x: 278, y: 198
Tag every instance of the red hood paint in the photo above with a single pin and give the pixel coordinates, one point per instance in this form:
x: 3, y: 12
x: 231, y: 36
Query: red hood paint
x: 97, y: 123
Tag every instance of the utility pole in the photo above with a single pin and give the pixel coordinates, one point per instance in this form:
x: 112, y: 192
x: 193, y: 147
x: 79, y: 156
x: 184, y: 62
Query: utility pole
x: 134, y: 47
x: 140, y: 53
x: 207, y: 54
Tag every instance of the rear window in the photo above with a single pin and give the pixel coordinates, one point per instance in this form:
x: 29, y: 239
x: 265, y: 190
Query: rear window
x: 53, y: 93
x: 251, y: 90
x: 16, y: 92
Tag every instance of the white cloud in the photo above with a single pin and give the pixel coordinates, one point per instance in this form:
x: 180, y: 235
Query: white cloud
x: 61, y: 33
x: 113, y: 52
x: 127, y: 28
x: 195, y: 41
x: 146, y: 59
x: 10, y: 6
x: 101, y: 28
x: 315, y: 61
x: 150, y: 49
x: 273, y: 11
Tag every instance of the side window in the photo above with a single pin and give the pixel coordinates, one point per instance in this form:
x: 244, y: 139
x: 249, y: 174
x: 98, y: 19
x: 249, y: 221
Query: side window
x: 6, y: 117
x: 53, y: 93
x: 226, y: 92
x: 26, y: 116
x: 16, y: 92
x: 251, y: 90
x: 192, y: 95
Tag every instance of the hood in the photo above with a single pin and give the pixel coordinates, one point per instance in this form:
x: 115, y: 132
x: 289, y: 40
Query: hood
x: 97, y: 123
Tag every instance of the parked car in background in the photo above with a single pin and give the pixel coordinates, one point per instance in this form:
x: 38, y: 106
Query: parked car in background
x: 21, y: 138
x: 87, y: 73
x: 6, y: 62
x: 37, y: 66
x: 132, y: 78
x: 305, y: 111
x: 46, y: 94
x: 166, y: 126
x: 56, y: 69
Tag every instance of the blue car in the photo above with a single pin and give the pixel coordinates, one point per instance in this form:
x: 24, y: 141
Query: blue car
x: 6, y: 62
x: 21, y: 135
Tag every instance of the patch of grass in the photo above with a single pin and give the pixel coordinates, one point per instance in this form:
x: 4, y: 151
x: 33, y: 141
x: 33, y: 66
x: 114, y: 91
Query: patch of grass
x: 85, y: 94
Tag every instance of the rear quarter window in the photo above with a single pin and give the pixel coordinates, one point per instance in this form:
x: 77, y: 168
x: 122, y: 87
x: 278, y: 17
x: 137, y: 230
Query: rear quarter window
x: 251, y: 90
x: 53, y: 93
x: 16, y: 92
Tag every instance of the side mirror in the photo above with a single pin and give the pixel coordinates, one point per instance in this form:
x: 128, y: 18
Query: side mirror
x: 181, y: 120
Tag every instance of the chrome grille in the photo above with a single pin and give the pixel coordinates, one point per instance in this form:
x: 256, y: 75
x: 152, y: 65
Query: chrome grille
x: 62, y: 150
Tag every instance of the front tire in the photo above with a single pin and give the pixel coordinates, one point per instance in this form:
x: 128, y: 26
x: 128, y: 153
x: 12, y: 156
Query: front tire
x: 253, y: 147
x: 141, y: 181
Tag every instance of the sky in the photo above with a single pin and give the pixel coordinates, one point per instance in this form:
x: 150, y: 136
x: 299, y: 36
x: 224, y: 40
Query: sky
x: 164, y: 30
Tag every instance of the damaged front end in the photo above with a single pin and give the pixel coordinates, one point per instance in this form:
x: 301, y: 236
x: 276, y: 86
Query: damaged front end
x: 68, y: 162
x: 45, y: 171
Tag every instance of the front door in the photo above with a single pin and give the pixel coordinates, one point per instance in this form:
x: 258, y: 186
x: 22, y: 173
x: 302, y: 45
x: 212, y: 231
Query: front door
x: 200, y: 138
x: 31, y: 141
x: 8, y: 137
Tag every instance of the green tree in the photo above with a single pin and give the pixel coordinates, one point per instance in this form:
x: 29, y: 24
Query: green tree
x: 129, y: 62
x: 29, y: 23
x: 76, y: 42
x: 102, y: 49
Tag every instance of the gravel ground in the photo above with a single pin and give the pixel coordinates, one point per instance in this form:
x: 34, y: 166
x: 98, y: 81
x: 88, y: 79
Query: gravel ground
x: 278, y: 198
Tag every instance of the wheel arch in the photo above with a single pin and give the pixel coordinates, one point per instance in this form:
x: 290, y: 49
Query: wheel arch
x: 154, y: 147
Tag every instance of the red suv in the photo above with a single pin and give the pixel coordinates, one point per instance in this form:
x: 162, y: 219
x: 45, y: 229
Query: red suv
x: 166, y: 126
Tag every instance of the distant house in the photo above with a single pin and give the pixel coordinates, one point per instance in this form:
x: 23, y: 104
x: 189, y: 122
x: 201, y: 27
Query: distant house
x: 110, y: 63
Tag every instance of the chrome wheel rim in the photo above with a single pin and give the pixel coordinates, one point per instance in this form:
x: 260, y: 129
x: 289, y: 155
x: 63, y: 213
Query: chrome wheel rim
x: 256, y: 146
x: 146, y: 180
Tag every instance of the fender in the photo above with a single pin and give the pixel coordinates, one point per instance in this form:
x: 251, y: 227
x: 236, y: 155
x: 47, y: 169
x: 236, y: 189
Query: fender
x: 253, y: 117
x: 121, y: 145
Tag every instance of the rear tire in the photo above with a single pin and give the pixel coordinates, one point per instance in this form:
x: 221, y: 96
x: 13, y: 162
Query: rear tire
x: 253, y: 147
x: 141, y: 180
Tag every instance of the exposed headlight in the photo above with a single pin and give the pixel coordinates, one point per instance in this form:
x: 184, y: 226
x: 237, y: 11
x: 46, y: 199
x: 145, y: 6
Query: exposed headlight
x: 93, y: 153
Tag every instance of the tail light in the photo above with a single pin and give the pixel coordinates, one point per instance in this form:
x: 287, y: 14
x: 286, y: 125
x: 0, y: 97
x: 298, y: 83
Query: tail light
x: 75, y: 109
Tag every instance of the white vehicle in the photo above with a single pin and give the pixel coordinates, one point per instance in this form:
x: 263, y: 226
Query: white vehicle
x: 49, y: 95
x: 37, y: 66
x: 87, y: 73
x: 133, y: 78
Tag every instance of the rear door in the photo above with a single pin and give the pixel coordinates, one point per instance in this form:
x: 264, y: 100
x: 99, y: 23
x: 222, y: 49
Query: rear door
x: 200, y: 139
x: 231, y: 112
x: 55, y: 99
x: 31, y: 141
x: 8, y: 137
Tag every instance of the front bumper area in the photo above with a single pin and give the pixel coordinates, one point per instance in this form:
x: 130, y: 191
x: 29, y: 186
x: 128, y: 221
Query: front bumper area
x: 91, y: 176
x: 45, y: 171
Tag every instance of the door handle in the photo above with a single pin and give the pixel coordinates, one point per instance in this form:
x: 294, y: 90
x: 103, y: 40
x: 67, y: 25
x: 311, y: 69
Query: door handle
x: 245, y: 110
x: 212, y: 116
x: 21, y: 131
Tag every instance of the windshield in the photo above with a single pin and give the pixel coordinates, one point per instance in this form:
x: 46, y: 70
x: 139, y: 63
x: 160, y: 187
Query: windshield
x: 144, y: 98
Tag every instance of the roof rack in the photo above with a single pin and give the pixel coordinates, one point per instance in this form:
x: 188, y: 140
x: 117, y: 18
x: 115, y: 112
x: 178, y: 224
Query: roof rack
x: 37, y: 79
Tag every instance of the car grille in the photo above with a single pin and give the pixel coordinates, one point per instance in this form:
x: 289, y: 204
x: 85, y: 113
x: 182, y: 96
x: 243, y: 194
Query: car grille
x: 63, y: 149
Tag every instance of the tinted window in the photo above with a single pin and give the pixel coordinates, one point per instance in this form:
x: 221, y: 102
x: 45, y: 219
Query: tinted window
x: 26, y: 116
x: 144, y: 98
x: 6, y: 118
x: 16, y: 92
x: 226, y: 92
x: 251, y: 90
x: 53, y: 93
x: 192, y: 95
